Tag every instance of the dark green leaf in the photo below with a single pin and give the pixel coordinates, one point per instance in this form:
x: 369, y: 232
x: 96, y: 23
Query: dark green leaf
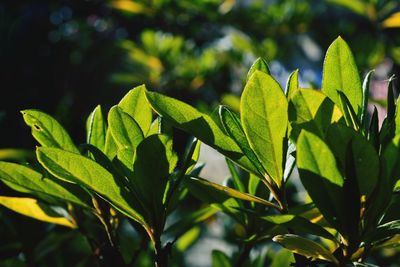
x: 364, y: 110
x: 232, y: 125
x: 220, y: 259
x: 153, y: 164
x: 348, y: 112
x: 321, y: 178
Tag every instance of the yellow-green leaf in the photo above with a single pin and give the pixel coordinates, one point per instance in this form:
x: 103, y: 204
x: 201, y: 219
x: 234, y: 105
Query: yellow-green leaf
x: 264, y: 116
x: 340, y: 73
x: 33, y: 208
x: 96, y: 129
x: 48, y: 131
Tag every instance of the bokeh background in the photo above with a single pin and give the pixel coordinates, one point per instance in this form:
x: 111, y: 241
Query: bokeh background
x: 65, y: 57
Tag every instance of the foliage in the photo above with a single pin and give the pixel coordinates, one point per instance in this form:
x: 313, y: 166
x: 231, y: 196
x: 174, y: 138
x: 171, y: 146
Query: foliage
x: 127, y: 174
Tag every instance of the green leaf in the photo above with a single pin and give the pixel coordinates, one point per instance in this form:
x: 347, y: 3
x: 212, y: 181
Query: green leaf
x: 321, y: 178
x: 220, y: 259
x: 47, y: 131
x: 188, y: 220
x: 237, y: 181
x: 391, y: 105
x: 298, y: 224
x: 110, y: 148
x: 365, y: 158
x: 292, y: 84
x: 135, y: 104
x: 397, y: 117
x: 389, y: 174
x: 188, y: 239
x: 96, y: 129
x: 283, y: 258
x: 383, y: 232
x: 259, y: 65
x: 311, y: 110
x: 232, y: 125
x: 264, y: 116
x: 305, y: 247
x: 124, y: 129
x: 202, y: 126
x: 16, y: 154
x: 75, y: 168
x: 348, y: 112
x: 373, y: 131
x: 340, y: 73
x: 33, y: 208
x: 153, y: 164
x: 364, y: 110
x: 34, y: 181
x: 218, y: 193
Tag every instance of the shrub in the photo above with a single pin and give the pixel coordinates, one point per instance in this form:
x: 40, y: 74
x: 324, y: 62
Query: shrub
x: 127, y: 169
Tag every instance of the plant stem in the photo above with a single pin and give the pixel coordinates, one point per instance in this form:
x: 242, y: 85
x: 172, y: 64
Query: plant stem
x: 244, y: 254
x: 161, y: 255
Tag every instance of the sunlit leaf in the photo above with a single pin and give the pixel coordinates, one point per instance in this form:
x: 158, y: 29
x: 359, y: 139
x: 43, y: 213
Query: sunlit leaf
x: 32, y: 208
x: 305, y: 247
x: 47, y: 131
x: 96, y: 129
x: 86, y: 172
x: 340, y: 73
x: 264, y: 115
x: 135, y: 104
x: 37, y: 183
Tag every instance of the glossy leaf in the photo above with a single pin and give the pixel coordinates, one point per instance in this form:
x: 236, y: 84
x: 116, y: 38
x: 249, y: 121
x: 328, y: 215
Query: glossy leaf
x: 32, y: 208
x: 340, y: 73
x: 292, y: 84
x: 311, y: 110
x: 233, y: 127
x: 135, y: 104
x: 264, y: 115
x: 366, y: 159
x: 96, y: 129
x: 47, y: 131
x: 321, y: 178
x: 86, y: 172
x: 364, y: 110
x: 124, y: 129
x: 202, y: 126
x: 298, y: 224
x: 305, y: 247
x: 348, y: 112
x: 259, y: 65
x: 34, y: 181
x: 153, y: 163
x: 110, y: 148
x: 219, y: 193
x: 383, y: 232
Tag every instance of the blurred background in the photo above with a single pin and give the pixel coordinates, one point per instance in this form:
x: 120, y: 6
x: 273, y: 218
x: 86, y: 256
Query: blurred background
x: 65, y: 57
